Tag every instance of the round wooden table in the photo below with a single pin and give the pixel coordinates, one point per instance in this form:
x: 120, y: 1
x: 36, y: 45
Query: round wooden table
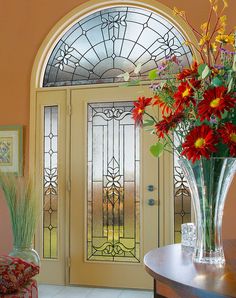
x: 176, y: 276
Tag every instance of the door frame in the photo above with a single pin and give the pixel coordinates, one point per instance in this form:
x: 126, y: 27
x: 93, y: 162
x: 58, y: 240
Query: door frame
x: 165, y: 210
x: 36, y: 87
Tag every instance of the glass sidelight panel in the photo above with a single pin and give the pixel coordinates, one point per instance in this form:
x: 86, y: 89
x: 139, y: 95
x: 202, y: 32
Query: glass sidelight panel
x: 50, y: 188
x: 113, y: 186
x: 182, y: 201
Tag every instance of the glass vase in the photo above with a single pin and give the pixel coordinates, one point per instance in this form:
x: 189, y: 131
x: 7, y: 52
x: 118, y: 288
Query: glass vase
x: 209, y: 181
x: 26, y: 253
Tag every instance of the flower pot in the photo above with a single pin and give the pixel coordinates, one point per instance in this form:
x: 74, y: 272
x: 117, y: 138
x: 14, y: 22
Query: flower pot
x: 26, y: 253
x: 209, y: 181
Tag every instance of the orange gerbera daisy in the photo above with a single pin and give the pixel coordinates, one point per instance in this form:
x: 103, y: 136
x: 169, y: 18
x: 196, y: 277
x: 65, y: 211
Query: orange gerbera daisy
x: 228, y: 135
x: 165, y: 108
x: 184, y: 96
x: 193, y: 70
x: 215, y: 102
x: 138, y: 111
x: 199, y: 142
x: 163, y: 126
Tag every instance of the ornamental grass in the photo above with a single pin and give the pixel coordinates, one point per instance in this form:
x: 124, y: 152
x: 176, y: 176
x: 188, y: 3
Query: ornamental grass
x: 22, y: 201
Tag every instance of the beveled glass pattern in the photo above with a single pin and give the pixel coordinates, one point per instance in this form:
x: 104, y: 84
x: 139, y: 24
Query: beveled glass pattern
x: 113, y: 194
x: 50, y: 189
x: 111, y: 42
x: 182, y: 196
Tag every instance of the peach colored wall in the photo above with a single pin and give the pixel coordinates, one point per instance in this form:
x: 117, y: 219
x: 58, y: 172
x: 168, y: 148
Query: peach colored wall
x: 23, y: 26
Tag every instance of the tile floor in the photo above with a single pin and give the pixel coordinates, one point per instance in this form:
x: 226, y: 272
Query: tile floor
x: 49, y: 291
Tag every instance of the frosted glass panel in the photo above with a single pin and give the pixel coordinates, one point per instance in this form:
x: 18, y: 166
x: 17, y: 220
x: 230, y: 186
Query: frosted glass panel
x: 113, y: 186
x: 50, y: 190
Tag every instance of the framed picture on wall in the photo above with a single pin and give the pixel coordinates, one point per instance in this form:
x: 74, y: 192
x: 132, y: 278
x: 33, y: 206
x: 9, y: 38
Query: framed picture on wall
x: 11, y: 149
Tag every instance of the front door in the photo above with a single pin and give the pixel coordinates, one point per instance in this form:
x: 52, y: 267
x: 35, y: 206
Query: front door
x: 114, y: 214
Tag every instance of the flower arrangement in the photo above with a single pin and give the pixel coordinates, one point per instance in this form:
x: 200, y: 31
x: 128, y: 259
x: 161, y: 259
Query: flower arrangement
x: 198, y: 105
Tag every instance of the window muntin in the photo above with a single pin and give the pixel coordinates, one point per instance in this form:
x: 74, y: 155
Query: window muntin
x: 50, y: 187
x: 113, y: 185
x: 111, y: 42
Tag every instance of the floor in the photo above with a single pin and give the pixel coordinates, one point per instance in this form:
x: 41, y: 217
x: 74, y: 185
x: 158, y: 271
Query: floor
x: 48, y: 291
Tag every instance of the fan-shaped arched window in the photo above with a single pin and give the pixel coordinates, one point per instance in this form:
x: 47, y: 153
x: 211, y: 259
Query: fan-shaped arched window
x: 110, y: 42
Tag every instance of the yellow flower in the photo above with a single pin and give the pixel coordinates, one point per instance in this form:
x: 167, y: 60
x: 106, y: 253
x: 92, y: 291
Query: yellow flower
x: 224, y: 38
x: 213, y: 47
x: 204, y: 26
x: 223, y: 19
x: 225, y: 3
x: 204, y: 39
x: 187, y: 43
x: 215, y: 8
x: 178, y: 12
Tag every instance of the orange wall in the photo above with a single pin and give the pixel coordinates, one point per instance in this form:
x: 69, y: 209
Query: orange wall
x: 23, y: 26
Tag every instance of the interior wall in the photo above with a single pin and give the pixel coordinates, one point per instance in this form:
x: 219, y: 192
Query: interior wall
x: 23, y: 26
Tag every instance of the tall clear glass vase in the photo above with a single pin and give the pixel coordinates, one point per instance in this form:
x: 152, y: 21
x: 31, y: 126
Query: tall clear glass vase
x: 209, y: 181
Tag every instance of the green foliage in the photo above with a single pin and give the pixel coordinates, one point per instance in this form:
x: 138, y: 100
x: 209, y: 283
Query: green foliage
x: 206, y: 72
x: 234, y: 64
x: 157, y: 149
x: 152, y: 74
x: 230, y: 86
x: 200, y: 69
x: 148, y: 122
x: 22, y: 203
x: 217, y: 82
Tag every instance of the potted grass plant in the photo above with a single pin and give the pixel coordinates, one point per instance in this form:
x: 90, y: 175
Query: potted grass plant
x: 21, y: 200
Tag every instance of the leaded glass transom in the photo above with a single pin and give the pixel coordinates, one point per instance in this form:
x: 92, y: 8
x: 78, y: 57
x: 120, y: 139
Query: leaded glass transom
x: 112, y: 42
x: 50, y: 189
x: 113, y: 187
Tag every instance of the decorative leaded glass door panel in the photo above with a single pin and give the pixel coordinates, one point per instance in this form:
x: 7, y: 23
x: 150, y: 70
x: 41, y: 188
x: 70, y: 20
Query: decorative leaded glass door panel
x: 112, y: 225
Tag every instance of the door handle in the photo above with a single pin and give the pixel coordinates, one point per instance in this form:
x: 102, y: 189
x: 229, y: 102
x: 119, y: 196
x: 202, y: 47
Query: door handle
x: 151, y: 202
x: 150, y: 187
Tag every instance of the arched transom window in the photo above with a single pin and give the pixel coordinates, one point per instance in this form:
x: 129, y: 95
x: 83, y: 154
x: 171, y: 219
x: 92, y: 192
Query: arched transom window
x: 110, y: 42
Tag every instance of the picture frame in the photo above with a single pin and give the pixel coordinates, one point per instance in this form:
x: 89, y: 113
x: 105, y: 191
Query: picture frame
x: 11, y: 149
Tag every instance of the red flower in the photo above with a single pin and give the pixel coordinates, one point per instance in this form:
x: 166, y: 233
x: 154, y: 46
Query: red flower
x: 163, y: 126
x: 200, y: 141
x: 165, y: 109
x: 188, y: 71
x: 184, y: 95
x: 228, y: 135
x: 138, y: 111
x: 215, y: 102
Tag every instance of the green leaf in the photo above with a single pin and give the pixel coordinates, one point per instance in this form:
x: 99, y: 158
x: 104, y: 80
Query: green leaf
x: 134, y: 83
x: 230, y: 84
x: 157, y: 149
x: 206, y: 72
x: 234, y: 63
x: 148, y: 122
x: 217, y: 82
x: 200, y: 69
x: 224, y: 115
x: 152, y: 74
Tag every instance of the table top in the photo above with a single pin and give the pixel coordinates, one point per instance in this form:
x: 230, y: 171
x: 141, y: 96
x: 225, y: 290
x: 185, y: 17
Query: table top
x: 173, y: 265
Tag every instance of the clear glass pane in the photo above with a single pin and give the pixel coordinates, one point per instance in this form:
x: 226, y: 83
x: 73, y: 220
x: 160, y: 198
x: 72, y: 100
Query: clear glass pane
x: 113, y: 186
x: 50, y: 199
x: 113, y: 41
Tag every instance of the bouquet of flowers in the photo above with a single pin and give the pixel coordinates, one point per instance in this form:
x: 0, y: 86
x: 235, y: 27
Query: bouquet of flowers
x: 198, y: 115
